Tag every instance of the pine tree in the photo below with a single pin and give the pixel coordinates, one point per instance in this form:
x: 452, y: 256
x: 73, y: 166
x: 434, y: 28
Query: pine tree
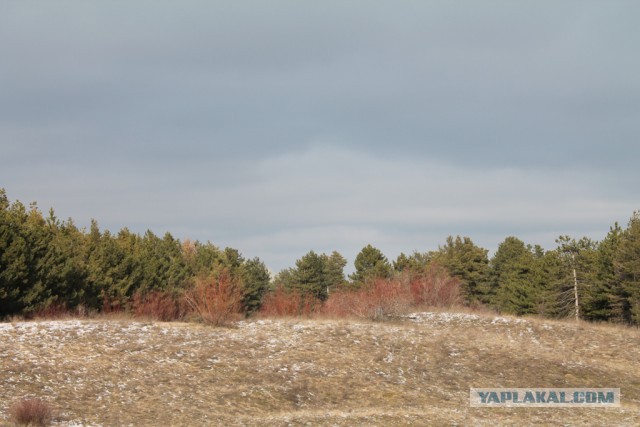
x: 309, y: 276
x: 627, y: 267
x: 14, y: 256
x: 573, y: 281
x: 370, y: 264
x: 334, y: 265
x: 68, y: 271
x: 255, y: 282
x: 469, y: 263
x: 513, y: 278
x: 414, y: 263
x: 605, y: 300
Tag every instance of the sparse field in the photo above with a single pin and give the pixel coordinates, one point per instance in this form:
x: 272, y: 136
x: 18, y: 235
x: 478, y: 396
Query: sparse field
x: 416, y: 371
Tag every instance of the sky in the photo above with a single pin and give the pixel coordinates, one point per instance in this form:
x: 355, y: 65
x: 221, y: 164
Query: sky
x: 279, y: 127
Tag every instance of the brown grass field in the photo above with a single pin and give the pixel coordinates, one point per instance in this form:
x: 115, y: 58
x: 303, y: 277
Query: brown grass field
x: 276, y: 372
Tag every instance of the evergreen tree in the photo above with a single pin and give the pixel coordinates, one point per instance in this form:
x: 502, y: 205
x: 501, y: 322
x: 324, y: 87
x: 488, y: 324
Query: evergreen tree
x: 627, y: 267
x: 14, y: 256
x: 67, y: 271
x: 334, y: 265
x: 402, y: 263
x: 232, y: 260
x: 469, y: 263
x: 605, y: 299
x: 309, y: 276
x: 416, y: 262
x: 204, y: 259
x: 550, y: 269
x: 116, y: 267
x: 370, y: 264
x: 284, y: 279
x: 513, y: 278
x: 256, y: 281
x: 577, y: 276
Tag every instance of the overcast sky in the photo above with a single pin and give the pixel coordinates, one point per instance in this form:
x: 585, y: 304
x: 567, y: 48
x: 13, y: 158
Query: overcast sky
x: 279, y: 127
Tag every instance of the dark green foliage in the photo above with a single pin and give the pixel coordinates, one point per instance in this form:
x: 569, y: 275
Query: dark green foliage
x: 609, y: 301
x: 14, y: 256
x: 575, y: 257
x: 284, y: 279
x: 370, y: 264
x: 42, y: 260
x: 115, y: 269
x: 47, y: 262
x: 315, y: 275
x: 201, y: 259
x: 334, y: 265
x: 164, y: 266
x: 255, y: 282
x: 469, y: 263
x: 309, y: 276
x: 514, y: 282
x: 627, y: 268
x: 417, y: 262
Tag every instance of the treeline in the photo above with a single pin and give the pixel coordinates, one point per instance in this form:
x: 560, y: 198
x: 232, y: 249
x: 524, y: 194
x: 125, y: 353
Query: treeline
x: 51, y: 265
x: 597, y: 281
x: 47, y: 264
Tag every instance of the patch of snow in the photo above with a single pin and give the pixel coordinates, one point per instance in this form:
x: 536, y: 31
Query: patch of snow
x: 443, y: 317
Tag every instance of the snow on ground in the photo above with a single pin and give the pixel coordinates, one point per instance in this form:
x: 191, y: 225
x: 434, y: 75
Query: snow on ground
x: 276, y: 365
x: 443, y: 318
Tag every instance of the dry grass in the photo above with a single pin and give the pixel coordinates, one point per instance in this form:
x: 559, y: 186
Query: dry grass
x: 415, y: 371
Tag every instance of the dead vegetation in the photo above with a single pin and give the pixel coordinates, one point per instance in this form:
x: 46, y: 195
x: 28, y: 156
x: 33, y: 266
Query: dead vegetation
x: 416, y: 370
x: 30, y: 412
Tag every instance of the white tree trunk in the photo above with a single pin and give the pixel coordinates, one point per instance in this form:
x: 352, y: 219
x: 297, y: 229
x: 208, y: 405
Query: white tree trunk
x: 575, y: 288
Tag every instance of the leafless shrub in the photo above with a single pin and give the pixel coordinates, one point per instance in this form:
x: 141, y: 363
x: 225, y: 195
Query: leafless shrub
x: 158, y: 305
x: 31, y: 412
x: 53, y: 310
x: 384, y: 298
x: 381, y: 298
x: 435, y: 288
x: 111, y: 305
x: 217, y: 300
x: 283, y: 303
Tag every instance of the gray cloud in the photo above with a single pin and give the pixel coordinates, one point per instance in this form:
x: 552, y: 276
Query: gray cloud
x: 283, y: 126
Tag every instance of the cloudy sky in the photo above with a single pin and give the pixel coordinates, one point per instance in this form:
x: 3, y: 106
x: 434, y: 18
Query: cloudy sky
x: 279, y: 127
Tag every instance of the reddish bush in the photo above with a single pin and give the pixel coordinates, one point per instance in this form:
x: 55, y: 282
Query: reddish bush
x: 282, y: 303
x: 435, y: 288
x: 111, y: 305
x: 379, y: 299
x: 382, y: 298
x: 158, y: 305
x: 54, y: 310
x: 217, y: 300
x: 31, y: 412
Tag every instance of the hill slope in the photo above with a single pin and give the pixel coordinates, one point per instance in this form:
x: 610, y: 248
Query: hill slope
x: 273, y: 372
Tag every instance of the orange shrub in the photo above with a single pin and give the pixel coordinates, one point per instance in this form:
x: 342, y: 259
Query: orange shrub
x: 111, y: 305
x: 282, y: 303
x: 158, y: 305
x: 435, y: 288
x: 217, y: 300
x: 31, y: 412
x: 54, y: 310
x: 382, y: 298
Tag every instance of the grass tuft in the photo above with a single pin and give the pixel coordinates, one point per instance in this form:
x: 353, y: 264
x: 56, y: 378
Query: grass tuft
x: 31, y: 412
